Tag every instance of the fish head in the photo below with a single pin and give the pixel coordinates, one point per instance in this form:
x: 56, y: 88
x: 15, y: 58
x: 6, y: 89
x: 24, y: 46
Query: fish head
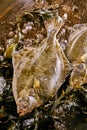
x: 27, y: 102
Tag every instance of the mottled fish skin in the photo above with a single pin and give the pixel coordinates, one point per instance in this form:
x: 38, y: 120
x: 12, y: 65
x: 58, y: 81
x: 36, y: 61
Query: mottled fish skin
x: 78, y: 75
x: 39, y: 72
x: 76, y: 51
x: 77, y: 44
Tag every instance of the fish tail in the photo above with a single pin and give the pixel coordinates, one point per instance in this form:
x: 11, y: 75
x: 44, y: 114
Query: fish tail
x: 53, y: 24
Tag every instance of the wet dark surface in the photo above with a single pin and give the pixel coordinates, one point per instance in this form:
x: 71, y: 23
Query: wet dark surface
x: 71, y: 112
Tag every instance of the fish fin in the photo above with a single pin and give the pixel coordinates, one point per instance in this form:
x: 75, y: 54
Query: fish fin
x: 67, y: 65
x: 17, y: 56
x: 53, y: 23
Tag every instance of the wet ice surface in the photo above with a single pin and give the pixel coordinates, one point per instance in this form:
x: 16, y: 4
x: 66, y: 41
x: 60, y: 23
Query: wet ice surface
x: 2, y: 85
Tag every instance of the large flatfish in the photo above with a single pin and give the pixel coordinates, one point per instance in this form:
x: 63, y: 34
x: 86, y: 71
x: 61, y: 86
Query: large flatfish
x: 39, y: 71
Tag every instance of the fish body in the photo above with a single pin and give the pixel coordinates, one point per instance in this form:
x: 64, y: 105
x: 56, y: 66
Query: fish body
x: 39, y: 71
x: 76, y: 51
x: 77, y: 43
x: 78, y: 76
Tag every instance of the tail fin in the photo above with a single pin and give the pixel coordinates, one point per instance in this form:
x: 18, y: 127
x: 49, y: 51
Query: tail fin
x: 53, y: 23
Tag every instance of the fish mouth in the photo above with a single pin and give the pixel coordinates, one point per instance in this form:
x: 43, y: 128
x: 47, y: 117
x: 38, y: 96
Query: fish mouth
x: 26, y: 106
x: 22, y: 112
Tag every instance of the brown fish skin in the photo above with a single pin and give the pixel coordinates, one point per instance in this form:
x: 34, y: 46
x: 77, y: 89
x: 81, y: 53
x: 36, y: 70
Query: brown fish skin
x: 78, y: 76
x: 77, y: 44
x: 40, y: 71
x: 76, y: 51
